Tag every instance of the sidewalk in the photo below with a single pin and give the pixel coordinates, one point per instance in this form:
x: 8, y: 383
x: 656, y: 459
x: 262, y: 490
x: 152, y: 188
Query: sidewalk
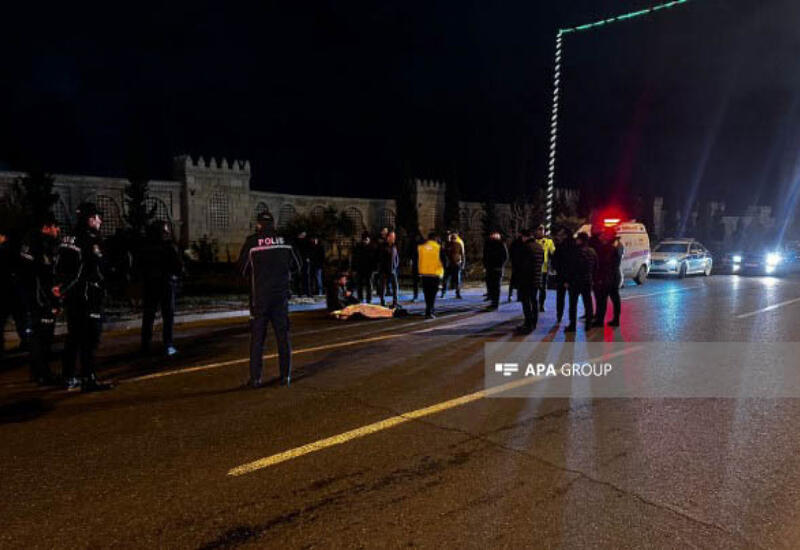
x: 196, y: 308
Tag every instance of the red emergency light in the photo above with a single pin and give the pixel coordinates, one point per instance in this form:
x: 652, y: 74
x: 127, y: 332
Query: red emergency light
x: 611, y: 222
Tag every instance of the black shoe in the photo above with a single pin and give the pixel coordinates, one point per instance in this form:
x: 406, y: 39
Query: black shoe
x: 492, y: 307
x: 458, y: 296
x: 430, y: 316
x: 524, y: 329
x: 286, y: 381
x: 613, y: 323
x: 72, y: 384
x: 254, y: 384
x: 92, y: 385
x: 569, y: 328
x: 595, y: 324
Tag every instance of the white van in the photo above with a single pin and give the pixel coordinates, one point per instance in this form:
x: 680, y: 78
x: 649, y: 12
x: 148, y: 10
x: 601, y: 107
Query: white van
x: 636, y: 260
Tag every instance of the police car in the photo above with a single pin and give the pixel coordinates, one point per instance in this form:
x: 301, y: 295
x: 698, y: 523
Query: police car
x: 681, y: 257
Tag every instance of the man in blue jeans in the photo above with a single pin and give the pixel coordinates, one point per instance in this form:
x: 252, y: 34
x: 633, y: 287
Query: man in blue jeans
x: 268, y: 260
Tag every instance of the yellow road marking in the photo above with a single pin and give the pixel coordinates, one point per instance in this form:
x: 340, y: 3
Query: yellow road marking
x: 395, y: 421
x: 268, y: 356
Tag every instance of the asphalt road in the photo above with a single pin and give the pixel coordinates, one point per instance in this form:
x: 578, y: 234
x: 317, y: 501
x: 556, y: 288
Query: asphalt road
x: 150, y: 464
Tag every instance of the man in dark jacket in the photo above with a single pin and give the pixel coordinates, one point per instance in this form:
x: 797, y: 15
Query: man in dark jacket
x: 455, y: 260
x: 364, y: 264
x: 161, y: 267
x: 514, y: 256
x: 582, y: 265
x: 317, y: 258
x: 495, y: 256
x: 268, y: 261
x: 609, y: 278
x: 388, y: 262
x: 38, y: 257
x: 529, y: 277
x: 303, y: 248
x: 80, y: 282
x: 560, y: 264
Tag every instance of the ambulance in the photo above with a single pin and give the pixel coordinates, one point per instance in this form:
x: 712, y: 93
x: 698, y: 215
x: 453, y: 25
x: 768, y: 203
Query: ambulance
x: 633, y: 235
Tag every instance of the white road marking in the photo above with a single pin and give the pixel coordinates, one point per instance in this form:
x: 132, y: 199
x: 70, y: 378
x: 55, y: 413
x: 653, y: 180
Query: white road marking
x: 393, y: 421
x: 768, y: 308
x: 671, y: 291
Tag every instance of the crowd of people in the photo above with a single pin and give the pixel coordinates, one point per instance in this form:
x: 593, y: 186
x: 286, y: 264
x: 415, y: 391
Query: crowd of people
x: 46, y: 274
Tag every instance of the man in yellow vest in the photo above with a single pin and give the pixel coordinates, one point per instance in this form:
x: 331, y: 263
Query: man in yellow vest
x: 430, y: 270
x: 549, y: 247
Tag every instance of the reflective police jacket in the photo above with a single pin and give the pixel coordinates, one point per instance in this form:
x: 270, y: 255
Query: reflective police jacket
x: 80, y: 271
x: 268, y: 261
x: 38, y: 257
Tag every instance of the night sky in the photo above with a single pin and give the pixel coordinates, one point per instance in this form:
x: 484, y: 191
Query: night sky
x: 352, y: 97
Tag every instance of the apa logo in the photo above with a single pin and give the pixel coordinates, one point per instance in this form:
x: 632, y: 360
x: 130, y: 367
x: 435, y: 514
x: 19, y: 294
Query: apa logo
x: 270, y: 241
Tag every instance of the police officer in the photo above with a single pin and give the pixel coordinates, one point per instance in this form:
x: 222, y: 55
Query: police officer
x: 38, y: 257
x: 268, y: 260
x: 161, y: 269
x: 80, y: 282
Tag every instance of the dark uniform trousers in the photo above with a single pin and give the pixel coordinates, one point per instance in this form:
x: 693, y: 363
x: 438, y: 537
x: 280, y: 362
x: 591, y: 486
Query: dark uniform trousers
x: 364, y: 283
x: 83, y: 336
x: 158, y: 294
x: 526, y: 293
x: 543, y: 290
x: 430, y: 286
x: 388, y: 284
x: 41, y: 344
x: 275, y: 311
x: 603, y: 294
x: 585, y: 292
x: 561, y: 294
x: 493, y: 279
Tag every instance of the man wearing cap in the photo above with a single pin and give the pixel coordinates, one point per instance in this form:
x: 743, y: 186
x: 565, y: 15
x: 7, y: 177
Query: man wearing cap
x: 80, y: 282
x: 268, y: 260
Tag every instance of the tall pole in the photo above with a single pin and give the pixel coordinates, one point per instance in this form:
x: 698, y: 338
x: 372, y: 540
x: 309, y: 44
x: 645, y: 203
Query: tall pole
x: 551, y: 167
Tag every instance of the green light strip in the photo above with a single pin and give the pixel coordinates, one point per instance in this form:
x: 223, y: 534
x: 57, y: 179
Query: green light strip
x: 551, y: 166
x: 623, y: 17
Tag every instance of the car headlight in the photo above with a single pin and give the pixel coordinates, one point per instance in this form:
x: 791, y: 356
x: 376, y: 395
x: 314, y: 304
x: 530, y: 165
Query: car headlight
x: 672, y: 262
x: 737, y: 259
x: 773, y: 259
